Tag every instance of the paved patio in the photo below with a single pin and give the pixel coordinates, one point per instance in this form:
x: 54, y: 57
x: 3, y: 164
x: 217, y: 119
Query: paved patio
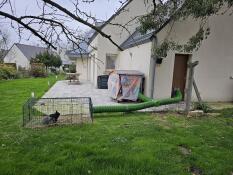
x: 98, y: 96
x: 85, y: 89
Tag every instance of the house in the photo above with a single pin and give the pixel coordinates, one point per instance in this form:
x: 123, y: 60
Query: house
x: 21, y: 54
x: 102, y: 52
x: 82, y: 61
x: 213, y: 75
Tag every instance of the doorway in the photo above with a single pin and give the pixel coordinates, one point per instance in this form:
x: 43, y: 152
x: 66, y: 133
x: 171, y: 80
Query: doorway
x: 180, y: 73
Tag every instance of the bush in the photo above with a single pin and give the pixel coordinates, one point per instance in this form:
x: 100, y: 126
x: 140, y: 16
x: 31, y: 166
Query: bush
x: 38, y: 70
x: 7, y: 72
x: 11, y: 65
x: 54, y: 70
x: 202, y: 106
x: 23, y: 72
x: 49, y: 59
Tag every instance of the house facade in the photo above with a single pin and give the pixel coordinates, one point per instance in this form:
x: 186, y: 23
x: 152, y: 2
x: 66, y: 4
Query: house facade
x: 213, y: 75
x: 16, y: 55
x: 105, y: 52
x: 21, y: 54
x: 82, y: 63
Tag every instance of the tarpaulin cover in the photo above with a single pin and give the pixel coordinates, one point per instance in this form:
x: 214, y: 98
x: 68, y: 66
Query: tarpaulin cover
x: 114, y: 85
x: 123, y: 86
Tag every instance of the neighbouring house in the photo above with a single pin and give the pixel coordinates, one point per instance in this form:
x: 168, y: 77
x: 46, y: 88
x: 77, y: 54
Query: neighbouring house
x: 213, y: 75
x: 79, y: 57
x: 21, y: 54
x: 82, y: 62
x: 66, y: 62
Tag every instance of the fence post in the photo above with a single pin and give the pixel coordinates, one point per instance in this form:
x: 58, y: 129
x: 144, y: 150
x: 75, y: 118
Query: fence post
x: 197, y: 92
x: 190, y: 85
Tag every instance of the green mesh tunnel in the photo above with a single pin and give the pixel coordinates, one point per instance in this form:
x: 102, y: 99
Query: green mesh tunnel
x: 146, y: 103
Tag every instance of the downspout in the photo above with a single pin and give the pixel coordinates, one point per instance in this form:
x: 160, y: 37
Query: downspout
x: 152, y: 68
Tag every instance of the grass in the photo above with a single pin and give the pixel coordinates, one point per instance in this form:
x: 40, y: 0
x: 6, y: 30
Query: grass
x: 135, y: 143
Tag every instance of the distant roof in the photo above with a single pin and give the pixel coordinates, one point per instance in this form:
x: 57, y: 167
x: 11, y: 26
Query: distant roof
x: 78, y: 52
x: 66, y: 62
x: 30, y: 51
x: 102, y: 25
x: 137, y: 38
x: 92, y: 31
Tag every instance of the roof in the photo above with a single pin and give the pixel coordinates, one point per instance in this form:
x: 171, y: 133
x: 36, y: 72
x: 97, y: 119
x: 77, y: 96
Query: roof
x: 78, y: 52
x: 66, y: 62
x: 91, y: 32
x: 102, y: 25
x: 137, y: 38
x: 30, y: 51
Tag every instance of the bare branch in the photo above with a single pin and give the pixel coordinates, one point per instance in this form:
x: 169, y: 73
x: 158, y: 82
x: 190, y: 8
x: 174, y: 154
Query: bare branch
x: 19, y: 21
x: 64, y: 10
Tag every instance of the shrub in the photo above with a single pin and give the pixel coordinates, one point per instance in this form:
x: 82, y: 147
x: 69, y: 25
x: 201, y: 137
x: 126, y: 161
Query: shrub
x: 23, y: 72
x: 38, y: 70
x: 202, y: 106
x: 7, y: 72
x: 49, y: 59
x: 54, y: 70
x: 11, y: 65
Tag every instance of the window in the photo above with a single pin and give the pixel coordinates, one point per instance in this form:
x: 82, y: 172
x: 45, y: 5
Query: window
x: 111, y: 61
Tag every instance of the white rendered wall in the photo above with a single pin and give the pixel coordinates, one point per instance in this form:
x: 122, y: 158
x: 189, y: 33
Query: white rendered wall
x: 215, y: 58
x: 119, y: 35
x: 136, y: 58
x: 16, y: 56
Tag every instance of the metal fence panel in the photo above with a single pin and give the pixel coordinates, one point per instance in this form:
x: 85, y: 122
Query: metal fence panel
x: 42, y: 112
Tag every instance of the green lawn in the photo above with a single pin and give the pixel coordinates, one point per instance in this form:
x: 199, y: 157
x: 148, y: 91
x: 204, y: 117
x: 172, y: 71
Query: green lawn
x: 135, y: 143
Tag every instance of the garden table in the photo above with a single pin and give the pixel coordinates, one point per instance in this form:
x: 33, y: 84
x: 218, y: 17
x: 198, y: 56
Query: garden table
x: 73, y: 77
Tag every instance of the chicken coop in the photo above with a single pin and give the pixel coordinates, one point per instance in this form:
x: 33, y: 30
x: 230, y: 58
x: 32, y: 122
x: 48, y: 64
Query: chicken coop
x: 45, y: 112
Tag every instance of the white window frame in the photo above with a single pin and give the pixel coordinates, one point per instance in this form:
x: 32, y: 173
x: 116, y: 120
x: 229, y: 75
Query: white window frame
x: 113, y: 57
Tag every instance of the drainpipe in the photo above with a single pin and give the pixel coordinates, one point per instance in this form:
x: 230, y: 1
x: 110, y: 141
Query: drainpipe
x: 152, y: 68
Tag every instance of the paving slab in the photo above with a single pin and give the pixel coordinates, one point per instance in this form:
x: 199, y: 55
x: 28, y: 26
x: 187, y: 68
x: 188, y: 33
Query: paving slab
x: 84, y: 89
x: 99, y: 96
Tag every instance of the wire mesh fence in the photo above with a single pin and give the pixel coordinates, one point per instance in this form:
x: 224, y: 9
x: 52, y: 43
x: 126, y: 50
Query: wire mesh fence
x: 45, y: 112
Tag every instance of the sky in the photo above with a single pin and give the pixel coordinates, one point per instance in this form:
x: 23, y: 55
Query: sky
x: 101, y: 9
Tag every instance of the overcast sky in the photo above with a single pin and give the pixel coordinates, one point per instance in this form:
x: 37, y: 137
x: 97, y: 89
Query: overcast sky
x: 101, y: 9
